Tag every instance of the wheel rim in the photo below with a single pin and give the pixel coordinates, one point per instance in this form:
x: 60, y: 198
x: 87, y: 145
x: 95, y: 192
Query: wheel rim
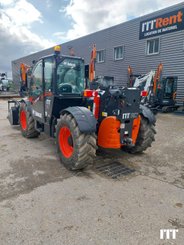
x: 66, y: 142
x: 23, y: 120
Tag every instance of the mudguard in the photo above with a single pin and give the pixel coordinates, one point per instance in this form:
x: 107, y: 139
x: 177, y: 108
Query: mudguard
x: 13, y: 110
x: 147, y: 113
x: 84, y: 118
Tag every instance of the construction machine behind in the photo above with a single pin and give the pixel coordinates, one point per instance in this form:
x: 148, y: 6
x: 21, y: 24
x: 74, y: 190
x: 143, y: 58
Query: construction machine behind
x: 4, y: 82
x: 96, y: 82
x: 157, y: 92
x: 79, y: 118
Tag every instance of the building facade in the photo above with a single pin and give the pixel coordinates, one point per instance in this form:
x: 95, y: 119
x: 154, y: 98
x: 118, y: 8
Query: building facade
x: 142, y: 43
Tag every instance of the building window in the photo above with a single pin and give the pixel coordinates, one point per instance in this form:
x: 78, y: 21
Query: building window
x: 118, y: 53
x: 152, y: 46
x: 100, y: 56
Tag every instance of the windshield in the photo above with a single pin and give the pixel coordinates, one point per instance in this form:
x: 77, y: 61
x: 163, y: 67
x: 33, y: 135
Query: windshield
x: 169, y: 86
x: 70, y: 76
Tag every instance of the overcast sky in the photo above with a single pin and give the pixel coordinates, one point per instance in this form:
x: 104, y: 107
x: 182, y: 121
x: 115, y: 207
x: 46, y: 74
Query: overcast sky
x: 27, y: 26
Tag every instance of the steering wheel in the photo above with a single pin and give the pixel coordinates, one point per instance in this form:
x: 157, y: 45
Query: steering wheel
x: 68, y: 88
x: 65, y: 87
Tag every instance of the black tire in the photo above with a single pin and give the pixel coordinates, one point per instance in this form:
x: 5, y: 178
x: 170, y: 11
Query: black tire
x: 145, y: 137
x: 28, y: 130
x: 83, y: 144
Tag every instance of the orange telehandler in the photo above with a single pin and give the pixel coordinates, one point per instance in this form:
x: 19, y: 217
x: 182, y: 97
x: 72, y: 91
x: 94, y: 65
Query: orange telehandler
x: 79, y: 118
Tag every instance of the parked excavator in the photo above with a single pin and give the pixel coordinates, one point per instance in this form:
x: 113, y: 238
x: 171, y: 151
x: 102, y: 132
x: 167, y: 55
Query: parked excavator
x: 79, y: 118
x: 157, y: 92
x: 4, y: 82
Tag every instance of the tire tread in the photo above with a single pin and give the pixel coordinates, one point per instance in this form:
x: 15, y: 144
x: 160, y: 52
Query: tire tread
x: 85, y: 144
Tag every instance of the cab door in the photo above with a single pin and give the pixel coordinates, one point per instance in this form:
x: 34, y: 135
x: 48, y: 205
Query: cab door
x: 48, y: 67
x: 36, y: 92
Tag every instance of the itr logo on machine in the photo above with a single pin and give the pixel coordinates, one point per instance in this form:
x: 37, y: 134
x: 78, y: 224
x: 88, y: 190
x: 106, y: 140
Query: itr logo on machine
x: 168, y: 234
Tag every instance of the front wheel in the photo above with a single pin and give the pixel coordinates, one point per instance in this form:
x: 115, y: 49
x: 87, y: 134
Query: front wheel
x: 27, y: 123
x: 76, y: 150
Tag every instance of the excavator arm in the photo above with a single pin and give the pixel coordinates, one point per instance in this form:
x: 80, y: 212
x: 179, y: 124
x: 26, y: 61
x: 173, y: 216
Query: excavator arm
x: 157, y: 77
x: 23, y: 73
x: 130, y: 75
x: 23, y: 77
x: 92, y: 64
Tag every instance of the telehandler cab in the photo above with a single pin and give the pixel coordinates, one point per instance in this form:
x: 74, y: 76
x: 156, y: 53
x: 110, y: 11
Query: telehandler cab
x: 81, y: 119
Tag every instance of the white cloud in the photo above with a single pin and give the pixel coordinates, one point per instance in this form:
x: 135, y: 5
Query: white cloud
x: 6, y: 2
x: 166, y: 3
x: 17, y: 38
x: 17, y: 18
x: 22, y: 32
x: 23, y: 13
x: 90, y: 16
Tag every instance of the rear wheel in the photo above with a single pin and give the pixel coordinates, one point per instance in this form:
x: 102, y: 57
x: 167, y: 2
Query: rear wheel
x: 76, y: 150
x: 27, y: 123
x: 145, y: 137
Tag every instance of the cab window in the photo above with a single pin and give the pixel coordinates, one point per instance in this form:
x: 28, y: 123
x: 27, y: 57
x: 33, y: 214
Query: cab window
x: 36, y: 80
x: 48, y: 74
x: 70, y: 76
